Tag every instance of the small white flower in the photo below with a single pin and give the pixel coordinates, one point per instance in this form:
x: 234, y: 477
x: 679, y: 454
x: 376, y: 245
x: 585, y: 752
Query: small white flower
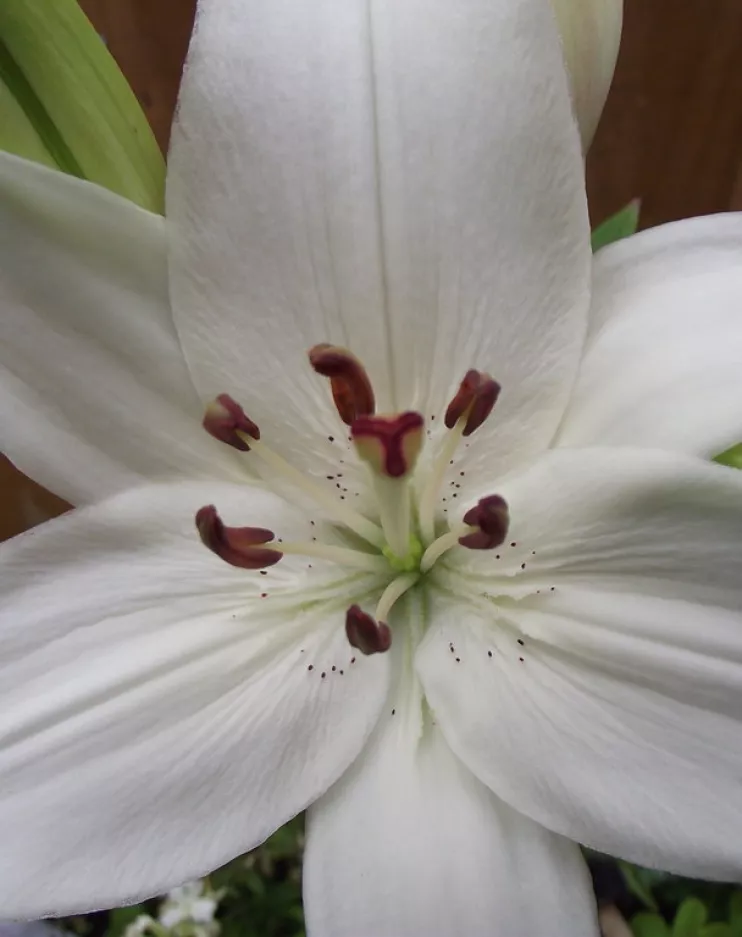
x: 403, y: 180
x: 140, y: 926
x: 192, y: 902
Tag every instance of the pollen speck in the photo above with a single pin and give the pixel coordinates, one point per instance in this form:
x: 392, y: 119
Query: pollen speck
x: 310, y: 667
x: 521, y: 642
x: 489, y: 653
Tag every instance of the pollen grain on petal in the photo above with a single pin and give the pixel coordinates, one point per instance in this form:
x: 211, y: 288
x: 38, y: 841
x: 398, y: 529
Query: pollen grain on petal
x: 349, y: 382
x: 366, y: 633
x: 238, y: 546
x: 226, y: 421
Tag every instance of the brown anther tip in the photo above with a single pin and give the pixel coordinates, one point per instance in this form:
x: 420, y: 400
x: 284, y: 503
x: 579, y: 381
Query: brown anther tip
x: 390, y: 444
x: 475, y: 398
x: 365, y: 633
x: 238, y: 546
x: 491, y: 518
x: 224, y: 419
x: 349, y: 382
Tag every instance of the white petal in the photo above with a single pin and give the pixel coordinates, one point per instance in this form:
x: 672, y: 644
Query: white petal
x: 404, y: 179
x: 610, y: 709
x: 408, y: 843
x: 158, y: 716
x: 591, y: 33
x: 94, y: 390
x: 662, y: 364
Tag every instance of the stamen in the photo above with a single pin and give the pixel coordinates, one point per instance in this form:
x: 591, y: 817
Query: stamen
x: 365, y: 633
x: 349, y: 382
x: 393, y: 592
x: 238, y: 546
x: 326, y: 499
x: 475, y: 398
x: 470, y: 407
x: 490, y: 520
x: 226, y: 421
x: 485, y: 527
x: 344, y: 556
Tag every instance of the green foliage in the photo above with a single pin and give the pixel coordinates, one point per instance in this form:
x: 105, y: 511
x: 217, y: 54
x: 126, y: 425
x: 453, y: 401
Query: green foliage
x: 648, y: 924
x: 65, y: 103
x: 691, y: 917
x: 732, y: 457
x: 621, y: 225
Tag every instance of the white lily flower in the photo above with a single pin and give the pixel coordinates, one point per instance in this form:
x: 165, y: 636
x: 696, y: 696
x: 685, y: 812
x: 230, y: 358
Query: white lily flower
x: 591, y: 34
x: 402, y: 180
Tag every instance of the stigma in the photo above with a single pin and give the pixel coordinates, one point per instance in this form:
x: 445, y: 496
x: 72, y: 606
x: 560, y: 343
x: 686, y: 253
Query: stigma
x: 403, y: 534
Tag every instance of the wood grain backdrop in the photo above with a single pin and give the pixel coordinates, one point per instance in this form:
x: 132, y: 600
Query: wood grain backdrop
x: 671, y: 132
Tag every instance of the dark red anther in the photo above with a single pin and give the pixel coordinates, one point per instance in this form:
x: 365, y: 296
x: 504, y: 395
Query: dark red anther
x: 491, y: 517
x: 365, y: 633
x: 225, y: 420
x: 475, y: 398
x: 238, y: 546
x: 350, y: 385
x: 390, y: 444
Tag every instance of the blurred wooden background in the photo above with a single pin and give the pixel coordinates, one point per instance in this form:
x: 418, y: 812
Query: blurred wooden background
x: 671, y: 132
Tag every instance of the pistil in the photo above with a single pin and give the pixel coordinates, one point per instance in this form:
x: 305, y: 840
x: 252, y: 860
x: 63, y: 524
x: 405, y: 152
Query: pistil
x: 390, y: 446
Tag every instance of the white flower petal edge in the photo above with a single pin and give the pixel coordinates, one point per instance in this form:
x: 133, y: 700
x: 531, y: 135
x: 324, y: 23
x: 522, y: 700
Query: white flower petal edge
x: 402, y: 179
x: 663, y: 360
x: 94, y: 392
x: 409, y: 842
x: 591, y: 34
x: 157, y: 716
x: 610, y: 709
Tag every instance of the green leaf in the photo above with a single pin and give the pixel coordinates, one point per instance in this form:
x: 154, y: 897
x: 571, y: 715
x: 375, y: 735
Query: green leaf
x: 733, y: 458
x: 65, y: 103
x: 621, y: 225
x: 717, y: 930
x: 735, y: 908
x: 690, y: 918
x: 120, y: 918
x: 634, y: 876
x: 646, y: 924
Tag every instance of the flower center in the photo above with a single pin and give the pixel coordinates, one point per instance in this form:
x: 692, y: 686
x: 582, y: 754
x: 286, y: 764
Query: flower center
x: 405, y: 535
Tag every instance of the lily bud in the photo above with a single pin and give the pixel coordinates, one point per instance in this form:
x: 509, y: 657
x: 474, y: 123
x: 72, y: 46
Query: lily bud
x: 591, y: 32
x: 65, y: 103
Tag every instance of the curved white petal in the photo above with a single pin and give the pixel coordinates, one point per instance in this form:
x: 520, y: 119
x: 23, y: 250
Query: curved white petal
x: 662, y: 363
x: 608, y: 709
x: 94, y: 390
x: 404, y: 179
x: 591, y: 34
x: 409, y: 842
x: 160, y: 711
